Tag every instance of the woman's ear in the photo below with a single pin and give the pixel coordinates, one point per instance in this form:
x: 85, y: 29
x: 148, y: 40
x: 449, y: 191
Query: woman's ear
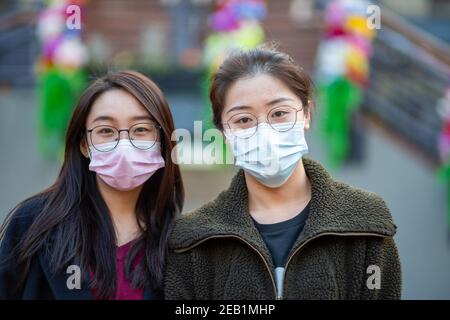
x: 84, y: 148
x: 308, y: 114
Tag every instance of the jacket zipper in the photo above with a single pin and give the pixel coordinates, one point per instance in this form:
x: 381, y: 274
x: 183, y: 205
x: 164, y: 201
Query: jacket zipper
x: 274, y: 287
x: 280, y: 296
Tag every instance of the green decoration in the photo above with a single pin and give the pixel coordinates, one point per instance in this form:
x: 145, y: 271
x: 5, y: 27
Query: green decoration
x: 338, y: 100
x: 58, y: 91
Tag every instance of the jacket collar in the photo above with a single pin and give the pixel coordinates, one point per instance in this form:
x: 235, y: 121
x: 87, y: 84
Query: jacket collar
x: 334, y: 208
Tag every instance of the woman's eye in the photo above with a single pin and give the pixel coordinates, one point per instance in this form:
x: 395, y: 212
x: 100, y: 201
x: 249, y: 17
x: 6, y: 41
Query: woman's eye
x: 277, y: 114
x: 141, y: 130
x: 244, y: 120
x: 106, y: 131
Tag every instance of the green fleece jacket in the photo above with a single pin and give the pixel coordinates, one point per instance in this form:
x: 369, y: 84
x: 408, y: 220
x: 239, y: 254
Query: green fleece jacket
x: 345, y: 251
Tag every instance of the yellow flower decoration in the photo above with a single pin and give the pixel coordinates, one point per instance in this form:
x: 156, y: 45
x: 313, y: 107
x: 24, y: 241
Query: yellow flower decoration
x: 358, y: 24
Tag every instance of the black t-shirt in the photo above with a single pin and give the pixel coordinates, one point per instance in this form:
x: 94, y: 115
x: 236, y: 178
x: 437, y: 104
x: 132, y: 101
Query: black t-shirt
x: 280, y: 237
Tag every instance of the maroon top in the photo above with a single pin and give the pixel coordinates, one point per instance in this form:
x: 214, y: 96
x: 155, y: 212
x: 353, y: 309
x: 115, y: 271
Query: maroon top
x: 124, y: 289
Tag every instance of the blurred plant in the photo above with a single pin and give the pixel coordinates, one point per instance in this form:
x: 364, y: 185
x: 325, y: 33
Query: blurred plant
x: 60, y: 73
x: 342, y: 72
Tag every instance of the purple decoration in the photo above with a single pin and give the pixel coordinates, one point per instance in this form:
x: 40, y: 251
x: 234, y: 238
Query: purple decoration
x: 335, y: 13
x: 50, y: 46
x: 224, y: 20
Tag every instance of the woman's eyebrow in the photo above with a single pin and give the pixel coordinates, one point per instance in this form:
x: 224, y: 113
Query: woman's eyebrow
x: 268, y: 104
x: 238, y: 108
x: 278, y: 100
x: 103, y: 118
x: 137, y: 118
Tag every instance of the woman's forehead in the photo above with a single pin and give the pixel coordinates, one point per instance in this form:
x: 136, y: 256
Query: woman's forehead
x: 117, y: 104
x: 259, y: 90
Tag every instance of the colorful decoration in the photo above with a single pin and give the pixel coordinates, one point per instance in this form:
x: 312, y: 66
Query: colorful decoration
x: 342, y: 71
x: 235, y: 24
x: 60, y: 72
x: 230, y: 14
x: 444, y: 138
x: 444, y: 143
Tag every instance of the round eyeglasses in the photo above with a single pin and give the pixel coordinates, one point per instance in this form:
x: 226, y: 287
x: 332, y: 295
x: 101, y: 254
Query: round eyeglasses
x: 244, y: 125
x: 142, y: 136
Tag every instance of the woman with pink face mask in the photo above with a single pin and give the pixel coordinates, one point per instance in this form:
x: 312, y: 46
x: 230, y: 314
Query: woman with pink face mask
x: 100, y: 231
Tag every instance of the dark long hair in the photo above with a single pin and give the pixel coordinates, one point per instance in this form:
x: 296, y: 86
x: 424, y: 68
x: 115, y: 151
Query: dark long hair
x: 75, y: 224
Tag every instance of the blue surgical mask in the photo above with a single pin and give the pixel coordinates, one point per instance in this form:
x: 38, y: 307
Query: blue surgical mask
x: 269, y: 155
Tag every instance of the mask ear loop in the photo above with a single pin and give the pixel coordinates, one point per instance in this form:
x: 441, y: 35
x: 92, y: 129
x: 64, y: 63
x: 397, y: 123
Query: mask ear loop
x: 86, y: 140
x: 227, y: 135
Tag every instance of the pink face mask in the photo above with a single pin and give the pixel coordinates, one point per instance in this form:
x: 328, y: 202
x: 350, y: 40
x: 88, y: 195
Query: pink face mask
x: 126, y: 167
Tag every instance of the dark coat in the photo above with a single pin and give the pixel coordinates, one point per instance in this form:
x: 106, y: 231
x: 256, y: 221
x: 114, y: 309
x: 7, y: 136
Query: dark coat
x: 217, y: 253
x: 40, y: 283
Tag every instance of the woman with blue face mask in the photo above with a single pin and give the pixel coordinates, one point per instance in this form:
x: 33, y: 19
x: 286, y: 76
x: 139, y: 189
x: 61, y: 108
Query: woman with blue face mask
x: 101, y: 230
x: 284, y: 229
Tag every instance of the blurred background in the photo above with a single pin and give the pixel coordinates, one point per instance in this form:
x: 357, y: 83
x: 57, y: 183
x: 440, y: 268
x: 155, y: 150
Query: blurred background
x: 381, y: 70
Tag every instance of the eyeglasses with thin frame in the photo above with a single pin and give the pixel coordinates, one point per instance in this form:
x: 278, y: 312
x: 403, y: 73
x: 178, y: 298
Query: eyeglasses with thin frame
x: 245, y: 124
x: 142, y: 136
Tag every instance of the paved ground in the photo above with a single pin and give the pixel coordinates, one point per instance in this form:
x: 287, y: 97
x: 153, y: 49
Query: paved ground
x: 411, y: 190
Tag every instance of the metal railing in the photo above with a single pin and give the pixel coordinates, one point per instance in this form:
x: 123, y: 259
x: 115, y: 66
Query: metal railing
x: 410, y: 70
